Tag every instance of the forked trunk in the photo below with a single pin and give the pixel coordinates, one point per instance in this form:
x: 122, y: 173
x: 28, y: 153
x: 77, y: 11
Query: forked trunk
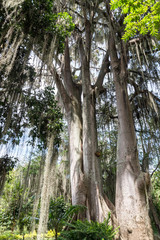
x: 97, y: 207
x: 84, y: 165
x: 131, y: 183
x: 85, y: 177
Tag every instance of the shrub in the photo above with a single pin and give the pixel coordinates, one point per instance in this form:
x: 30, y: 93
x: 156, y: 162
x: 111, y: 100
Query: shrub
x: 60, y: 212
x: 80, y: 230
x: 8, y: 235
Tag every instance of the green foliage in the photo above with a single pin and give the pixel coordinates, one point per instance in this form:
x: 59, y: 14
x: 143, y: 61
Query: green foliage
x: 40, y: 20
x: 80, y: 230
x: 10, y: 209
x: 155, y: 201
x: 140, y: 16
x: 7, y: 164
x: 41, y: 17
x: 64, y: 27
x: 57, y: 211
x: 38, y: 15
x: 11, y: 114
x: 25, y: 215
x: 8, y: 235
x: 156, y: 190
x: 61, y: 217
x: 65, y: 24
x: 60, y: 212
x: 16, y: 203
x: 41, y: 23
x: 44, y: 116
x: 34, y: 165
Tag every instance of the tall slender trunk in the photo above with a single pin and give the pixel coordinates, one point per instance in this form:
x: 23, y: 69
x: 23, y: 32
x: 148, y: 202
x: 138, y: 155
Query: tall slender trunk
x: 50, y: 162
x: 2, y: 182
x: 131, y: 183
x: 39, y: 182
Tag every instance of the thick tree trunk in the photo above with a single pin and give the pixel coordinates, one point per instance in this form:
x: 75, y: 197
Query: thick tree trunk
x: 50, y: 162
x: 84, y: 165
x: 131, y: 188
x: 131, y: 183
x: 74, y: 117
x: 97, y: 207
x: 71, y: 97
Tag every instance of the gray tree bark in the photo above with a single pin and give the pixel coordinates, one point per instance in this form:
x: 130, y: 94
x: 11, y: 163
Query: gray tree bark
x: 84, y: 166
x: 71, y: 97
x: 131, y: 183
x: 97, y: 208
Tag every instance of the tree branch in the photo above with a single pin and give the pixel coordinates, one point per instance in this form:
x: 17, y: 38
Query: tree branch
x: 155, y: 169
x: 63, y: 93
x: 141, y: 74
x: 139, y: 91
x: 65, y: 98
x: 104, y: 69
x: 69, y: 84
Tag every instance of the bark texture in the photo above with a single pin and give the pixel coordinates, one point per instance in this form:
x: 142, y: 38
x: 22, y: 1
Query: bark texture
x: 78, y: 189
x: 97, y: 208
x: 84, y: 165
x: 131, y: 184
x: 71, y: 97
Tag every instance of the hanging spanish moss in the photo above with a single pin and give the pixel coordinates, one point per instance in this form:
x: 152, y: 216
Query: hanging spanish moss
x: 50, y: 162
x: 38, y: 187
x: 11, y: 4
x: 19, y: 42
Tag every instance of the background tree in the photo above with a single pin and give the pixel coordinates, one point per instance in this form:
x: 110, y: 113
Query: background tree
x: 6, y: 165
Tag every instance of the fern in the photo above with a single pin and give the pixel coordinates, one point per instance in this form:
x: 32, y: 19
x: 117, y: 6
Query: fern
x: 80, y: 230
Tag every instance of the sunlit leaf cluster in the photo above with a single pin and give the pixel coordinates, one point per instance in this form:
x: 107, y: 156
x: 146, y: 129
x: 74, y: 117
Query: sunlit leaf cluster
x: 141, y: 16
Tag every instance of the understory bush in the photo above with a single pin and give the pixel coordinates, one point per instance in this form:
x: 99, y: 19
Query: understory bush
x: 80, y: 230
x: 62, y: 213
x: 9, y: 235
x: 77, y: 230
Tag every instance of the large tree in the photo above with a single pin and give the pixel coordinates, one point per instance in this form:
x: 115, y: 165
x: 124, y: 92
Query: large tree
x: 84, y: 165
x: 131, y: 183
x: 78, y: 94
